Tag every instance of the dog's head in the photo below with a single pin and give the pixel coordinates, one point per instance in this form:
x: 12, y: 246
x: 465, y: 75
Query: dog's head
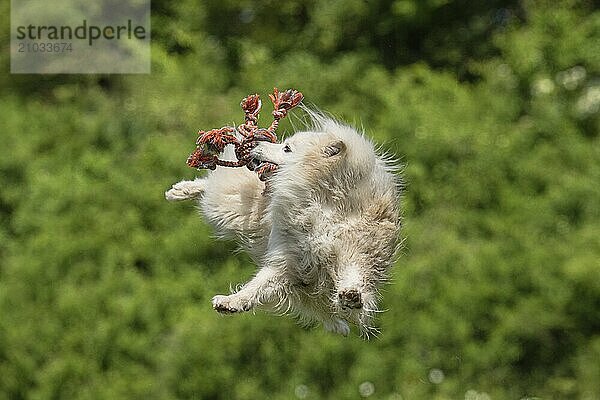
x: 329, y: 152
x: 302, y: 150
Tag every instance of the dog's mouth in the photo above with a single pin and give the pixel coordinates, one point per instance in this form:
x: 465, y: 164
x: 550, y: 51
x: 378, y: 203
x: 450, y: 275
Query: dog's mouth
x: 263, y: 168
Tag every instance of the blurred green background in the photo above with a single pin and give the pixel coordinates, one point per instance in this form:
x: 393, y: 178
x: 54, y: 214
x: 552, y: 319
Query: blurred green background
x: 493, y: 106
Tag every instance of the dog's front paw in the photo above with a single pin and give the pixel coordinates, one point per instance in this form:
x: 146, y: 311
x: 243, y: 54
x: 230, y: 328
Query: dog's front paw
x: 350, y: 298
x: 229, y: 304
x: 185, y: 190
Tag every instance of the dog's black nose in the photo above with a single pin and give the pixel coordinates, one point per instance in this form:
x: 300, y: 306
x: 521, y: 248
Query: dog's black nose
x: 252, y: 164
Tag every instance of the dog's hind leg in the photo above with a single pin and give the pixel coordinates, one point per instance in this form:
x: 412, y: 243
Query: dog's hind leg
x: 350, y: 287
x: 186, y: 190
x: 267, y: 287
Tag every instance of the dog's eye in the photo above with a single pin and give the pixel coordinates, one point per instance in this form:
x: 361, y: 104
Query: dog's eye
x: 287, y: 148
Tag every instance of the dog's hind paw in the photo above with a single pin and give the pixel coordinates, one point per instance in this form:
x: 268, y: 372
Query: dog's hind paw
x: 350, y: 298
x: 229, y: 304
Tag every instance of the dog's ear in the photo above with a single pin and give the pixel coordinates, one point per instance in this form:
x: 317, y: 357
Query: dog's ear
x: 334, y: 148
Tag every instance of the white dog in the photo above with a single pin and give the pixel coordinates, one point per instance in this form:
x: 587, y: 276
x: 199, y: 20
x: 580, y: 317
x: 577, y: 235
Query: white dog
x: 324, y: 230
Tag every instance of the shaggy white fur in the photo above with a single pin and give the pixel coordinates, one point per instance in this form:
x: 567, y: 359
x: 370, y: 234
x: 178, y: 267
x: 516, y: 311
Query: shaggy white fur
x: 324, y: 230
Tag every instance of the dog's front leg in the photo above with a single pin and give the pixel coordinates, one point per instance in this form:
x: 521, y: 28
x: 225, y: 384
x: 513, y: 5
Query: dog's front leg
x: 186, y: 190
x: 268, y: 286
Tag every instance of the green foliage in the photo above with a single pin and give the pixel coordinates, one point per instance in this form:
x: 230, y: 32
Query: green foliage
x: 493, y: 107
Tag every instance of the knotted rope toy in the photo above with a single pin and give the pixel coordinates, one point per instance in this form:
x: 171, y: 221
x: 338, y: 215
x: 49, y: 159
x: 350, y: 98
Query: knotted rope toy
x: 212, y: 143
